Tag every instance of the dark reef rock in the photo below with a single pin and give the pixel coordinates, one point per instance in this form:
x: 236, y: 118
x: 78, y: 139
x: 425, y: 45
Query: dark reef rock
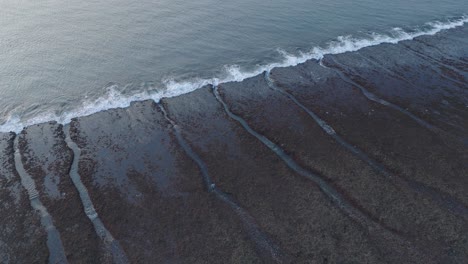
x: 394, y: 202
x: 387, y: 135
x: 292, y: 210
x: 47, y: 159
x: 424, y: 87
x: 150, y: 194
x: 22, y: 239
x: 358, y: 158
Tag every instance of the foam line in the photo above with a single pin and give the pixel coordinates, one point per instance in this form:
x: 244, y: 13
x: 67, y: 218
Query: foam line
x: 115, y: 99
x: 54, y: 243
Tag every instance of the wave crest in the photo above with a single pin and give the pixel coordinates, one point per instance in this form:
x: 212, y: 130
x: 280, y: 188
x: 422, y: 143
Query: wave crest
x: 233, y: 73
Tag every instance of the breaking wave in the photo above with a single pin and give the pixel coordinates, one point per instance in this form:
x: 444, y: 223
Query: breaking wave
x: 115, y: 99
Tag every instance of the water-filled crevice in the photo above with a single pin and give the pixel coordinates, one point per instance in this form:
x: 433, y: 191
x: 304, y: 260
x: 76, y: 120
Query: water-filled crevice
x: 441, y: 52
x: 443, y: 199
x: 395, y: 75
x: 112, y: 246
x: 372, y: 97
x: 438, y: 62
x: 346, y: 205
x: 330, y: 191
x: 376, y: 64
x: 54, y: 242
x: 208, y: 183
x: 419, y: 54
x: 264, y: 245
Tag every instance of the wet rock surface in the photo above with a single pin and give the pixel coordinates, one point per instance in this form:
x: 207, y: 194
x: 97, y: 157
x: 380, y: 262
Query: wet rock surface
x: 414, y: 76
x: 358, y: 158
x: 22, y: 239
x: 418, y: 154
x: 150, y: 194
x: 389, y: 201
x: 47, y: 159
x: 290, y: 209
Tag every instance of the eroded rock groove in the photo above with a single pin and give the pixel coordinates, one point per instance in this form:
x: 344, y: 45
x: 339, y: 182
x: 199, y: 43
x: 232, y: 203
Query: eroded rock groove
x: 265, y: 245
x: 445, y: 200
x: 375, y: 98
x: 441, y: 63
x: 459, y: 60
x: 112, y: 245
x: 326, y: 188
x: 352, y: 211
x: 54, y: 242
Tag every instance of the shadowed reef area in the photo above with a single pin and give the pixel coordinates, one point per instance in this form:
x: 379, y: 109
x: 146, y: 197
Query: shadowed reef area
x: 361, y: 157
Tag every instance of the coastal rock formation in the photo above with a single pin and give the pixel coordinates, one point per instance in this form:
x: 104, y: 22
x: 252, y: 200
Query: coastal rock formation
x: 47, y: 159
x: 22, y: 239
x: 150, y: 194
x: 360, y: 157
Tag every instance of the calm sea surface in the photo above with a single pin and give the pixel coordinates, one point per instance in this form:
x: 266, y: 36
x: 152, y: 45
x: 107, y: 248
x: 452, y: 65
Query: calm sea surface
x: 65, y: 58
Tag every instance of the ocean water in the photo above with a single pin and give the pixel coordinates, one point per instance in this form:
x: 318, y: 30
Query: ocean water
x: 63, y: 59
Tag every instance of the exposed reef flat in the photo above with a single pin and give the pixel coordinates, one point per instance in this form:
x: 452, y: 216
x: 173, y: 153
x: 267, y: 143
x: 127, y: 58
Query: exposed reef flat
x: 361, y: 157
x: 22, y: 238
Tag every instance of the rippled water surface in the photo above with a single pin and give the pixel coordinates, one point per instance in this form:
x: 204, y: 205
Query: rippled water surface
x: 60, y: 59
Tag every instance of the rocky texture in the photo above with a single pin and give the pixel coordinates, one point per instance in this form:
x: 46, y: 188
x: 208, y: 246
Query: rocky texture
x: 447, y: 46
x: 413, y: 76
x: 47, y: 159
x: 22, y: 239
x: 150, y: 194
x: 358, y: 158
x: 417, y: 153
x: 290, y: 209
x: 392, y: 203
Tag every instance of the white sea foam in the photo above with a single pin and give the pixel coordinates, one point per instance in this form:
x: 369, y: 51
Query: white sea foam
x: 114, y: 99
